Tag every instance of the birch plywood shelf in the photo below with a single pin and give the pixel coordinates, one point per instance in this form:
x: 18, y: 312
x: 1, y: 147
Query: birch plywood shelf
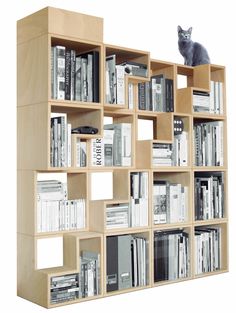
x: 169, y: 192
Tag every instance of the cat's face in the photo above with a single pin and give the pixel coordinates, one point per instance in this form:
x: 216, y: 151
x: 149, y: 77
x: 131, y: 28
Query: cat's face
x: 184, y: 35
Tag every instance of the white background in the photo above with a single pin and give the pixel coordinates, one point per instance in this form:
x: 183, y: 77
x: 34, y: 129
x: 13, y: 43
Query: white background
x: 147, y: 25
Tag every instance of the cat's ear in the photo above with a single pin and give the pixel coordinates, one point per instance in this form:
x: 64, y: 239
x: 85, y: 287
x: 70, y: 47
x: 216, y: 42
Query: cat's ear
x: 179, y: 29
x: 190, y: 30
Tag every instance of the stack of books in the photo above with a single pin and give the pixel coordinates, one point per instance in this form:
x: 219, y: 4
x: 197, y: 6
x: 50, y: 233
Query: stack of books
x: 126, y: 262
x: 208, y: 143
x: 170, y: 202
x: 162, y: 154
x: 117, y: 216
x: 171, y: 255
x: 207, y: 249
x: 54, y: 211
x: 74, y: 77
x: 212, y: 102
x: 64, y: 288
x: 209, y: 196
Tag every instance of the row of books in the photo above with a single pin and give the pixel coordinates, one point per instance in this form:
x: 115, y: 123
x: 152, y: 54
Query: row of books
x: 207, y: 249
x: 60, y: 142
x: 115, y: 78
x: 126, y: 262
x: 171, y: 255
x: 84, y: 284
x: 74, y: 77
x: 138, y: 199
x: 208, y: 143
x: 209, y: 196
x: 54, y: 215
x: 114, y: 149
x: 156, y: 95
x: 90, y: 264
x: 54, y: 211
x: 170, y: 202
x: 212, y: 102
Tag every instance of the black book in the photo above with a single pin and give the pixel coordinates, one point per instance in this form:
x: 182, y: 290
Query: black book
x: 95, y: 76
x: 112, y: 263
x: 169, y: 95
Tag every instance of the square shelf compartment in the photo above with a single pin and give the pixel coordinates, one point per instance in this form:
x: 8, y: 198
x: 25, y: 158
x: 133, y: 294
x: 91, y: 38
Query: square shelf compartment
x: 171, y: 198
x: 172, y: 259
x: 126, y: 270
x: 210, y: 249
x: 118, y: 98
x: 87, y: 71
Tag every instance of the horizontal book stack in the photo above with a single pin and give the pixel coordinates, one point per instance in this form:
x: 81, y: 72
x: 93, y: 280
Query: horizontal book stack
x: 208, y: 143
x: 117, y: 216
x: 162, y: 154
x: 54, y: 211
x: 156, y: 95
x: 60, y: 143
x: 170, y: 202
x: 126, y: 262
x: 64, y: 288
x: 209, y: 196
x: 114, y: 149
x: 115, y: 78
x: 212, y: 102
x: 89, y: 274
x: 171, y: 255
x: 139, y: 199
x: 207, y: 249
x: 73, y: 76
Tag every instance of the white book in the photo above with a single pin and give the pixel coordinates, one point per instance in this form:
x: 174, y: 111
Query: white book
x: 130, y: 96
x: 97, y: 152
x: 120, y: 84
x: 221, y: 97
x: 212, y: 97
x: 60, y: 65
x: 77, y: 158
x: 68, y: 145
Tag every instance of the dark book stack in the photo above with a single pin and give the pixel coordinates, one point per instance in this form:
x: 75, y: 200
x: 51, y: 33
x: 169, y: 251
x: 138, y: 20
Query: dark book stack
x: 126, y: 262
x: 156, y: 95
x: 74, y: 77
x: 208, y: 143
x: 171, y: 255
x: 64, y: 288
x: 207, y: 249
x: 209, y: 195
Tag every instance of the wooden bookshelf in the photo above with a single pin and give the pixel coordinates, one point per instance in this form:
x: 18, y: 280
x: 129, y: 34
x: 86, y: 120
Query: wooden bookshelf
x: 83, y: 33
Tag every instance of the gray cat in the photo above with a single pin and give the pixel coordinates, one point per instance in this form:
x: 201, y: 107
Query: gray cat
x: 193, y: 52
